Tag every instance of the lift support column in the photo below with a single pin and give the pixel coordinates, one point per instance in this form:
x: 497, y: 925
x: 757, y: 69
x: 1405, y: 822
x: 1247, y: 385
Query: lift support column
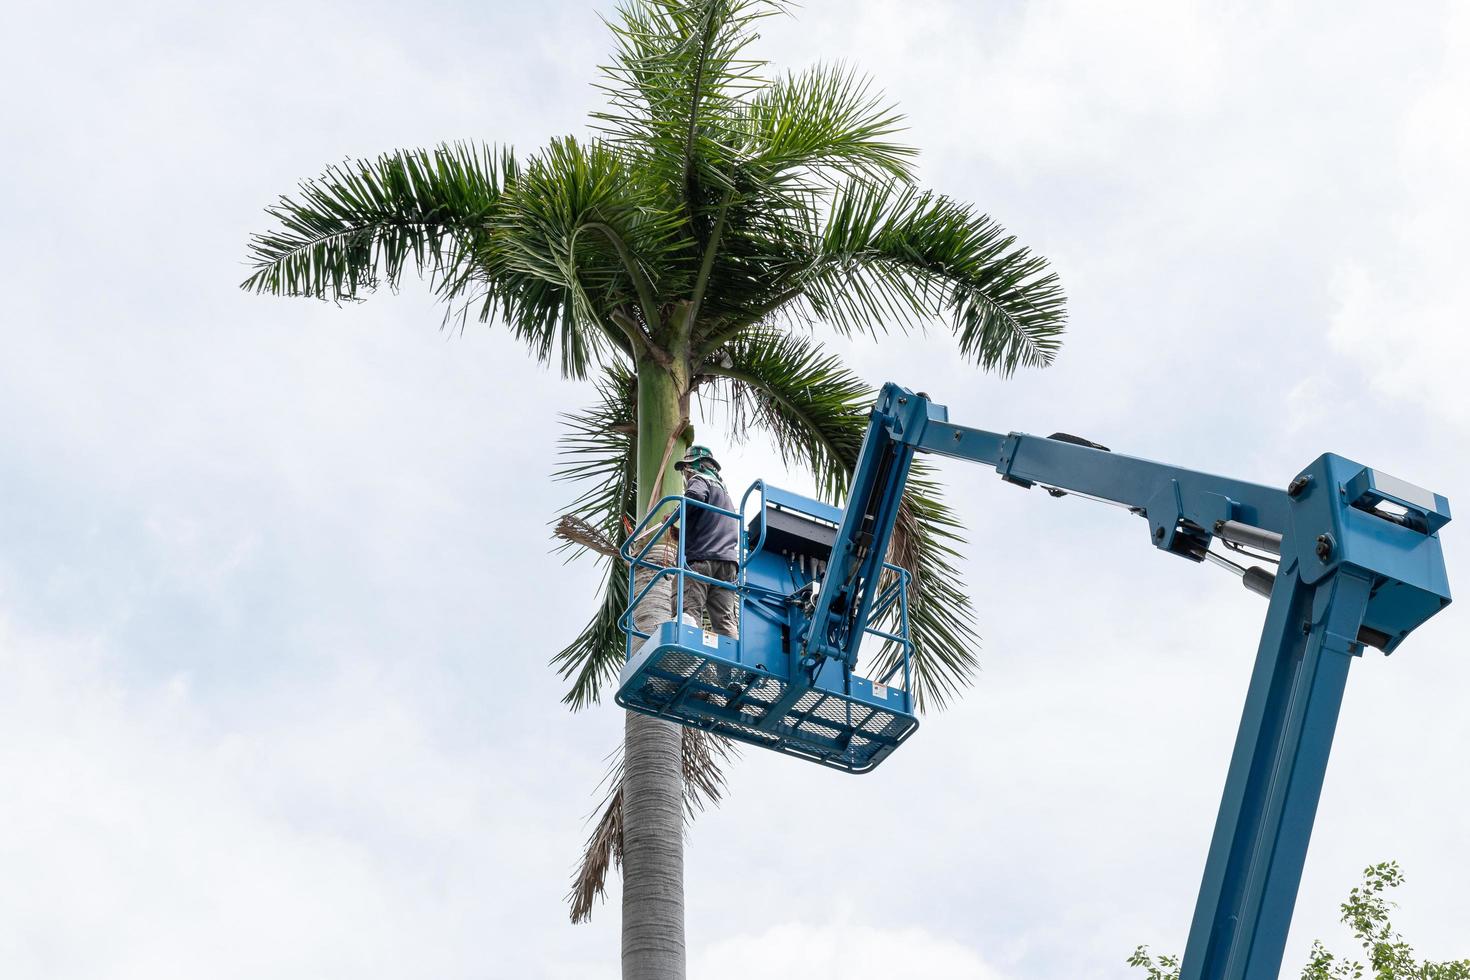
x: 1275, y: 778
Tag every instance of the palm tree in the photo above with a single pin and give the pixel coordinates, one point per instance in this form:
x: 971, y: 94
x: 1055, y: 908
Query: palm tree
x: 686, y: 249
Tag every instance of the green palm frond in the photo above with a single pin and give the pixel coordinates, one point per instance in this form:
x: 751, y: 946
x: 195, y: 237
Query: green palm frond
x: 583, y: 223
x: 797, y: 140
x: 827, y: 119
x: 818, y: 411
x: 676, y: 84
x: 596, y: 654
x: 361, y: 223
x: 814, y: 408
x: 556, y: 249
x: 926, y: 541
x: 599, y: 451
x: 897, y: 254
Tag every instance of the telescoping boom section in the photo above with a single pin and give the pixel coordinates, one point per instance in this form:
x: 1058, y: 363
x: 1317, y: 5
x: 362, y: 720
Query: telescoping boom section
x: 1348, y: 557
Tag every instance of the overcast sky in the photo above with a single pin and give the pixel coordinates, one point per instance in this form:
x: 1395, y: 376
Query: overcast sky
x: 276, y: 590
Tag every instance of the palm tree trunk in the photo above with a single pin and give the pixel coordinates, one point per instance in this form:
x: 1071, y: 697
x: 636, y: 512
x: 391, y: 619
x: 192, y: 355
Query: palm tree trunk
x: 653, y: 794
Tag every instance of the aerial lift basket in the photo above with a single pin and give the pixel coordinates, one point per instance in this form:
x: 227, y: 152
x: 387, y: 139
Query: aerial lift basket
x: 757, y: 688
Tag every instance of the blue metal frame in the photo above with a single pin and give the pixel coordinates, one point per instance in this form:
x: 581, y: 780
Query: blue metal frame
x: 676, y: 516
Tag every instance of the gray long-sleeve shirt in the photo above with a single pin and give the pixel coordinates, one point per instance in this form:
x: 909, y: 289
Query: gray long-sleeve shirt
x: 710, y: 536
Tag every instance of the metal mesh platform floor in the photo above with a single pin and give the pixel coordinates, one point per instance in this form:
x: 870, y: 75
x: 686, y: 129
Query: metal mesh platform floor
x: 696, y: 685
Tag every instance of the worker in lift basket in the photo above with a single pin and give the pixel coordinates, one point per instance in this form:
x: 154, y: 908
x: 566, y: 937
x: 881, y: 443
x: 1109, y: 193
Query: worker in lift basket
x: 711, y: 543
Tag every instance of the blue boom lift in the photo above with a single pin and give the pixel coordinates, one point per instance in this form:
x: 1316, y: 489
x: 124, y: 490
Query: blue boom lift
x: 1358, y: 565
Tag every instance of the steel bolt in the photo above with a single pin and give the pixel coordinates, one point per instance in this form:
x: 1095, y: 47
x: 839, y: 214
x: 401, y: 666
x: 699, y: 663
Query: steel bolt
x: 1158, y: 534
x: 1324, y: 547
x: 1298, y: 485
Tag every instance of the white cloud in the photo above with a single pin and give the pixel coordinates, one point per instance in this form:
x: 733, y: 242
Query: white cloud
x: 274, y: 582
x: 838, y: 950
x: 331, y: 833
x: 1403, y: 299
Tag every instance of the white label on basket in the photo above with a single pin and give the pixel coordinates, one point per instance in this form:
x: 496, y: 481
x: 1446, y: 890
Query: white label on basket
x: 880, y: 691
x: 710, y: 639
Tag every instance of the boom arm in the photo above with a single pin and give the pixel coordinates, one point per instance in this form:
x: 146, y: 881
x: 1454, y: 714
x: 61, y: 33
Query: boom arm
x: 1360, y: 563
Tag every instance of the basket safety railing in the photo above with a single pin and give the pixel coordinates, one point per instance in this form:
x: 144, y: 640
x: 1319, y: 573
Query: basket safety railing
x: 679, y: 572
x: 894, y: 594
x: 897, y: 593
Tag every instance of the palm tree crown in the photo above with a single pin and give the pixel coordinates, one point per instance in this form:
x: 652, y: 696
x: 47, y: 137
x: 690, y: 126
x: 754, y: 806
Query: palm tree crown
x: 713, y: 216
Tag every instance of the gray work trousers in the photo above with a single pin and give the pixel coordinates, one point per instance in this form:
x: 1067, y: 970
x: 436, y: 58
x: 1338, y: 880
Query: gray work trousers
x: 700, y: 598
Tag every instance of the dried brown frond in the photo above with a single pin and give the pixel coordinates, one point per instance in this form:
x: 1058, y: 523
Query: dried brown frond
x: 702, y: 758
x: 604, y: 848
x: 579, y: 530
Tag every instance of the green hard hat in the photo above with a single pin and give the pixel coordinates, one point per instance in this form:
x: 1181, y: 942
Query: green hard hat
x: 698, y: 455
